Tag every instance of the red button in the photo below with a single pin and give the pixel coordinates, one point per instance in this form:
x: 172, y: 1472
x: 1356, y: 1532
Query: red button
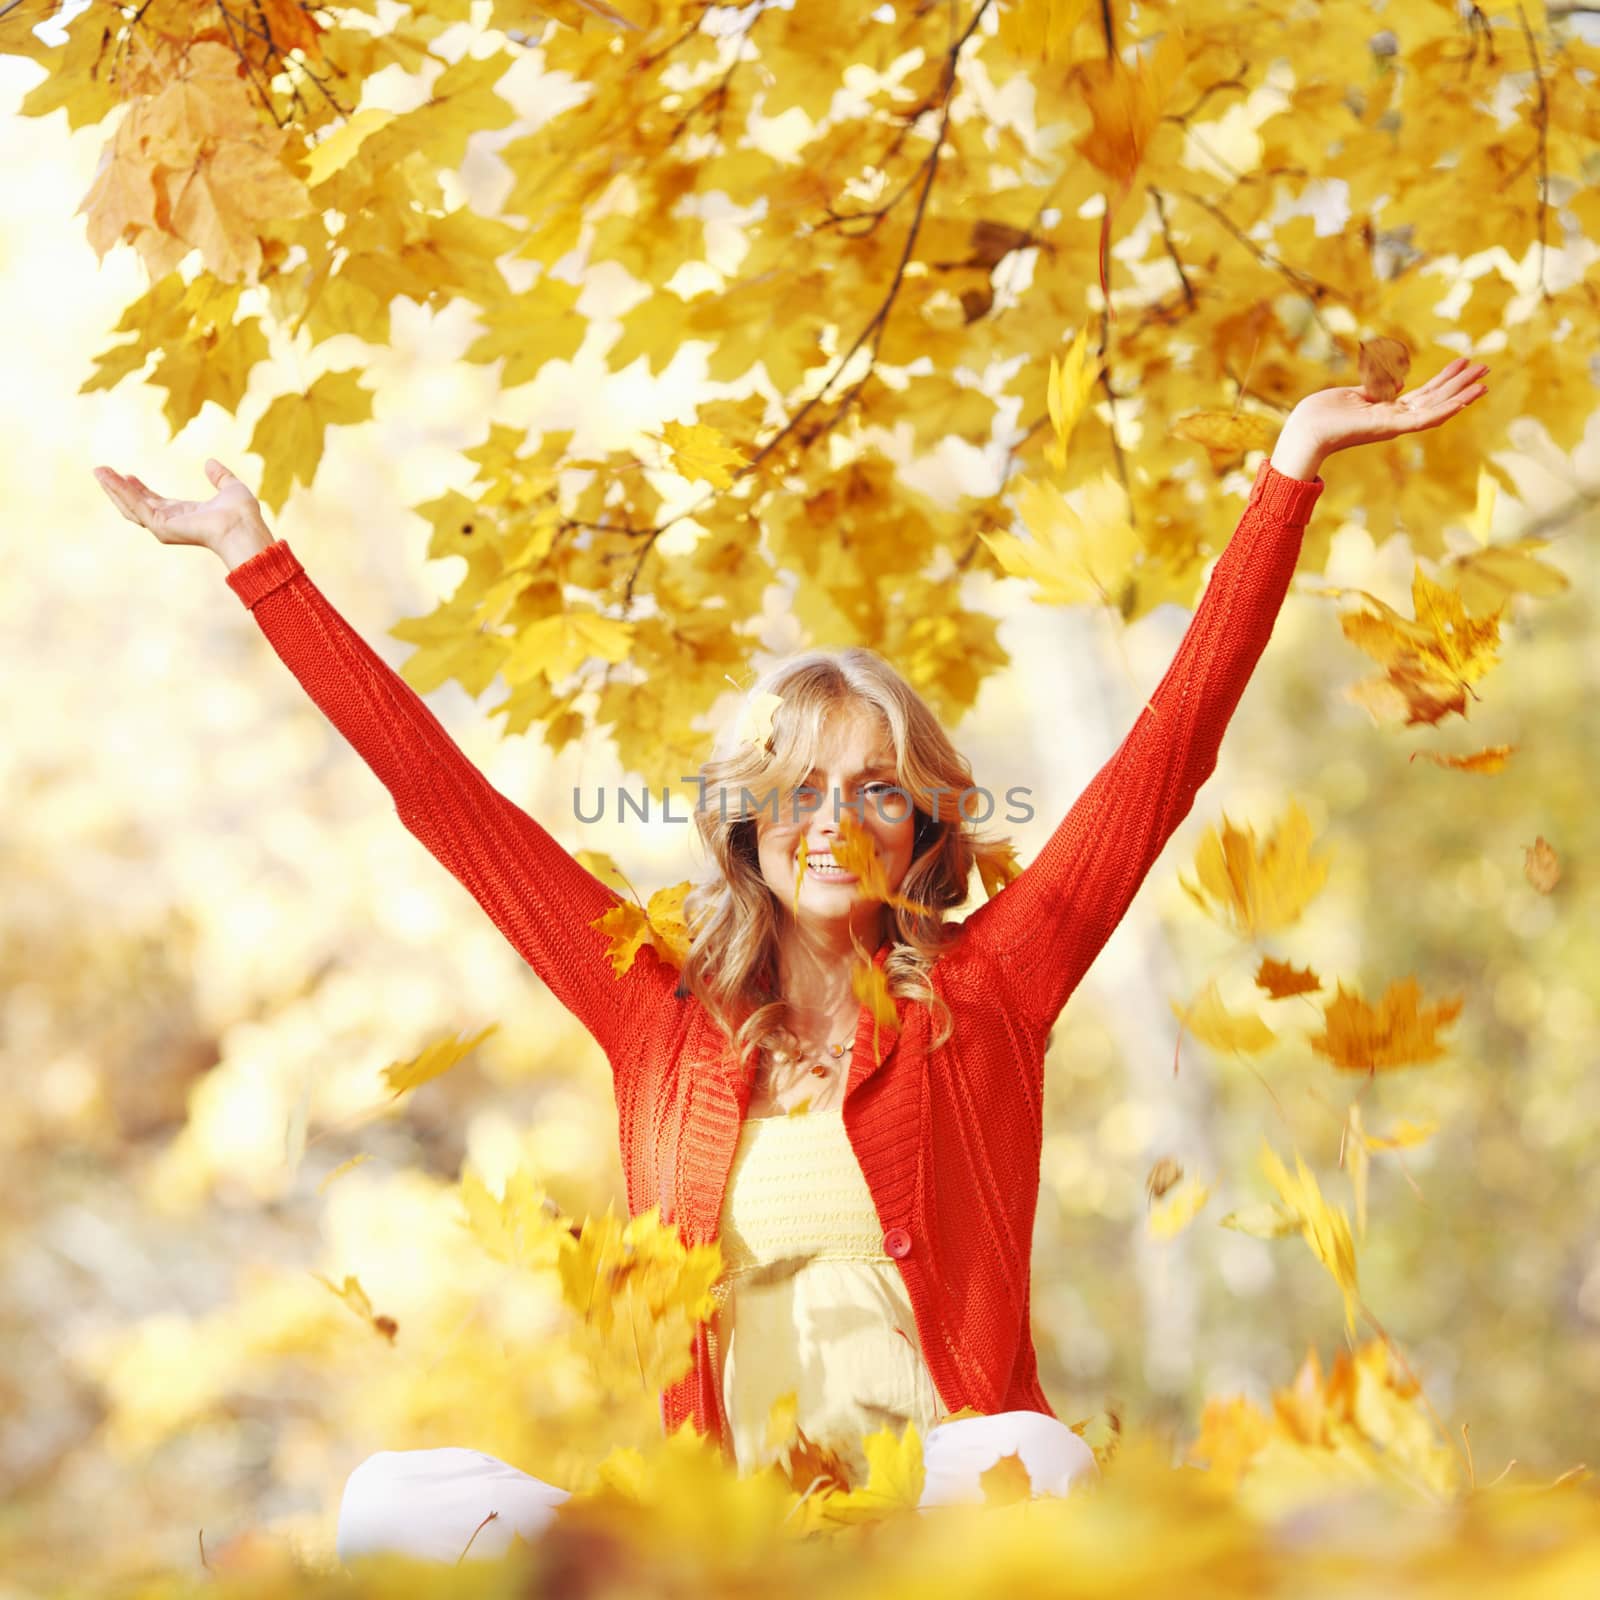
x: 897, y: 1242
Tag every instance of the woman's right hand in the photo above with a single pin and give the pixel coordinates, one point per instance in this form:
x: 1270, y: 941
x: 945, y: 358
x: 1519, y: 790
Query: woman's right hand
x: 229, y: 523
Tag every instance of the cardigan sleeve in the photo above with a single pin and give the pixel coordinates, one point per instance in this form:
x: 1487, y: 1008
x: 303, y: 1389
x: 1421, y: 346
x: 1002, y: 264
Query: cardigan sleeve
x: 1037, y: 936
x: 537, y: 894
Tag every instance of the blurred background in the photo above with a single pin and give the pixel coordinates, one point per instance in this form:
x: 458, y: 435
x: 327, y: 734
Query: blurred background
x: 216, y: 934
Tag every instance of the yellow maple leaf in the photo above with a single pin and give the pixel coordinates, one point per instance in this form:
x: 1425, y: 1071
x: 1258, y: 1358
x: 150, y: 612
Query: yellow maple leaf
x: 1431, y: 659
x: 1075, y: 559
x: 997, y: 866
x: 855, y: 849
x: 1399, y: 1032
x: 556, y: 646
x: 1325, y: 1230
x: 289, y: 435
x: 1210, y: 1021
x: 639, y: 1294
x: 438, y: 1058
x: 660, y: 925
x: 521, y: 1226
x: 895, y: 1478
x: 1257, y: 891
x: 698, y: 451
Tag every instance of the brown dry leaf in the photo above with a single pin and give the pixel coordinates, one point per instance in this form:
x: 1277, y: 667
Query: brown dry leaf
x: 1541, y: 866
x: 1399, y: 1032
x: 1281, y: 981
x: 1491, y: 759
x: 1162, y: 1176
x: 1384, y: 365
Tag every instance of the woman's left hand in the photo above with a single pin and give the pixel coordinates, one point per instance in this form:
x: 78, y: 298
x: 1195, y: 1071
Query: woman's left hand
x: 1336, y: 419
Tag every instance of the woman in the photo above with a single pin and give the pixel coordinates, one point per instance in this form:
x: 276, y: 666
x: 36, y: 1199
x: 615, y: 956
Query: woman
x: 872, y: 1177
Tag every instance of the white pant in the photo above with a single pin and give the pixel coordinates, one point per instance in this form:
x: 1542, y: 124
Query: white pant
x: 426, y: 1503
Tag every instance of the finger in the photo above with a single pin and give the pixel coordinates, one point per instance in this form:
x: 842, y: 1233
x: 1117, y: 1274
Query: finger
x: 1450, y: 381
x: 216, y: 472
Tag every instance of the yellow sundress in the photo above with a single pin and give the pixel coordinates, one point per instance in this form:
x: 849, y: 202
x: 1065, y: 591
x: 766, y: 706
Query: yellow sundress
x: 809, y: 1300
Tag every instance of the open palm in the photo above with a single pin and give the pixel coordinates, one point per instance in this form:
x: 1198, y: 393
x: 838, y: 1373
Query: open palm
x: 1336, y: 419
x: 203, y: 522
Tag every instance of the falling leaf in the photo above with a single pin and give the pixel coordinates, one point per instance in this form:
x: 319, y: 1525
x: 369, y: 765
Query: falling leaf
x: 660, y: 926
x: 355, y: 1297
x: 1540, y: 865
x: 1483, y: 509
x: 856, y: 850
x: 603, y: 867
x: 1075, y: 559
x: 1262, y: 1221
x: 997, y: 867
x: 438, y: 1058
x: 1072, y: 381
x: 1384, y: 364
x: 340, y: 1170
x: 1210, y: 1021
x: 1487, y: 577
x: 1326, y: 1231
x: 1493, y: 759
x: 1431, y: 659
x: 521, y: 1226
x: 1257, y: 891
x: 1399, y: 1032
x: 1281, y: 981
x: 1162, y: 1176
x: 1171, y: 1216
x: 638, y: 1293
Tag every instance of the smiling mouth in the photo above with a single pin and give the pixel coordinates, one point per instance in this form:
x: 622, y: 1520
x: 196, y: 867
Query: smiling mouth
x: 826, y: 872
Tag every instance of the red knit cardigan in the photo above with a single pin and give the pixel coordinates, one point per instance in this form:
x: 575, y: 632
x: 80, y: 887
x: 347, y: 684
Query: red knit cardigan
x: 948, y: 1140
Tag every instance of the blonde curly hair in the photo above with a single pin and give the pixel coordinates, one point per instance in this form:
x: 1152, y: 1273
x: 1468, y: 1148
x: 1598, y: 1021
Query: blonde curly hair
x: 731, y: 912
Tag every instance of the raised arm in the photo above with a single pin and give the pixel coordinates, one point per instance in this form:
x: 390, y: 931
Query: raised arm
x: 540, y: 898
x: 538, y: 895
x: 1038, y: 935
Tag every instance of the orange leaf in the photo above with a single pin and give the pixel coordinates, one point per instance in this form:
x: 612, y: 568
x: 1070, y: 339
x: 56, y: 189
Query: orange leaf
x: 1541, y: 865
x: 1491, y: 759
x: 1280, y: 980
x: 1399, y: 1032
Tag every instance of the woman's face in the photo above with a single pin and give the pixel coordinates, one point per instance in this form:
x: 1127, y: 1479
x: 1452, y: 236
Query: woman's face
x: 857, y: 769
